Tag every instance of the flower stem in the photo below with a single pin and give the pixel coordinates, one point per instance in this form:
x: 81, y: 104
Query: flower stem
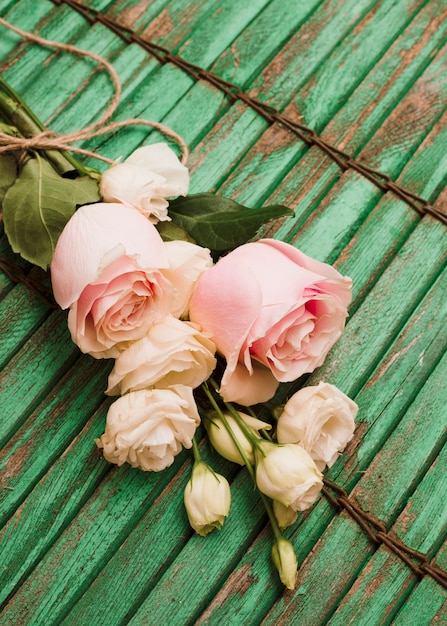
x: 253, y: 440
x: 242, y: 425
x: 196, y: 451
x: 229, y: 430
x: 273, y: 521
x: 16, y: 112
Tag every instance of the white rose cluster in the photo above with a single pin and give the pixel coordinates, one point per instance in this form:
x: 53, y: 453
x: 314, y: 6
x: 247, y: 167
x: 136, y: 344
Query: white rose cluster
x: 138, y: 316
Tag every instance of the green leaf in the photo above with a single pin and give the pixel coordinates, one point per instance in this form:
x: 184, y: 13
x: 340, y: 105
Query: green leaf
x: 172, y: 232
x: 219, y: 223
x: 37, y: 207
x: 8, y: 173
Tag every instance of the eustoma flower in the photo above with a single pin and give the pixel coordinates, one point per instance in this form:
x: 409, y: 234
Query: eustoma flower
x: 223, y: 442
x: 321, y: 419
x: 145, y: 180
x: 107, y: 269
x: 207, y: 499
x: 273, y: 312
x: 147, y: 428
x: 286, y: 473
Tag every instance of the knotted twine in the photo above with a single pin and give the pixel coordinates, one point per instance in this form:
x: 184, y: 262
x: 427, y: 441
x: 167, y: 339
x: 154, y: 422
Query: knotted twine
x: 49, y: 140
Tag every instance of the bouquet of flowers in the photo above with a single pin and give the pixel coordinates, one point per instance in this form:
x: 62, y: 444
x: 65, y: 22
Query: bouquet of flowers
x: 204, y: 321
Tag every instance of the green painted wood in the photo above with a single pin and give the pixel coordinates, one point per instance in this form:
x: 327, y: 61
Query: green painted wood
x: 50, y: 506
x: 226, y: 146
x: 48, y: 431
x: 33, y: 372
x: 96, y: 526
x: 428, y: 601
x: 162, y: 533
x: 77, y: 556
x: 20, y: 315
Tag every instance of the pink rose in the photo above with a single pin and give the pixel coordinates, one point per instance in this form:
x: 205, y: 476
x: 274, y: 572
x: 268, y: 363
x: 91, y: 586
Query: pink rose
x: 106, y: 268
x: 273, y: 313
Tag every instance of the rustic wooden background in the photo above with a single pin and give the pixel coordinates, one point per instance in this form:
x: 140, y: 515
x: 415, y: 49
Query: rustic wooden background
x: 87, y: 543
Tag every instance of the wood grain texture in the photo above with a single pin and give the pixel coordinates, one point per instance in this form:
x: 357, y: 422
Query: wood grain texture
x: 87, y: 543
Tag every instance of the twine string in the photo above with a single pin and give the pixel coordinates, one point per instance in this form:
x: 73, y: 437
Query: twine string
x: 49, y: 140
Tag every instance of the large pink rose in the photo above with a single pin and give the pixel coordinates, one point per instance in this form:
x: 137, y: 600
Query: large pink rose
x: 273, y: 313
x: 106, y: 268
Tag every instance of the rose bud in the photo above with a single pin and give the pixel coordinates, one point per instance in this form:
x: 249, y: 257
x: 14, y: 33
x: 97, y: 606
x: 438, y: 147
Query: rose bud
x: 285, y: 560
x: 285, y: 515
x: 222, y: 441
x: 207, y: 499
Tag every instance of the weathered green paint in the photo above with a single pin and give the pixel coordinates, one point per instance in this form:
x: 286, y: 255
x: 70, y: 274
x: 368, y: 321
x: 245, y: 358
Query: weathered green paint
x: 87, y: 543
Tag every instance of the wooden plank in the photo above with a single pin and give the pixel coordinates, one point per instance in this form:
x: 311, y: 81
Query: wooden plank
x: 21, y: 312
x: 33, y: 372
x: 199, y: 106
x: 51, y: 505
x: 428, y: 602
x: 48, y: 431
x: 163, y: 533
x: 215, y: 156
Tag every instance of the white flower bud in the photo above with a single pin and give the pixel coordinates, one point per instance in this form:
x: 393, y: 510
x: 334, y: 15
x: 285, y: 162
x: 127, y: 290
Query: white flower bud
x: 321, y: 420
x: 287, y: 473
x: 286, y: 563
x: 285, y: 515
x: 207, y: 499
x: 222, y: 441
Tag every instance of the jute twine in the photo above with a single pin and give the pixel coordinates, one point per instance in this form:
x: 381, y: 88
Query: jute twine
x: 49, y: 140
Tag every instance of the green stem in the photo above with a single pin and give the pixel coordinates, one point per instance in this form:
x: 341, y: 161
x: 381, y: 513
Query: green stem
x: 273, y: 521
x: 16, y: 112
x: 255, y: 441
x: 268, y: 507
x: 196, y: 451
x: 229, y: 430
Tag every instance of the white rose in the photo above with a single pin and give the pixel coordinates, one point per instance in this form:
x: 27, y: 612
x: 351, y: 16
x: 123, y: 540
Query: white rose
x: 147, y: 428
x: 186, y: 263
x: 321, y: 420
x: 171, y: 353
x: 207, y: 499
x: 286, y: 473
x: 145, y: 179
x: 222, y: 441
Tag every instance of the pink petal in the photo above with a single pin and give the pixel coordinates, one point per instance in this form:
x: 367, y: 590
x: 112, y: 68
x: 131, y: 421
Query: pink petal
x: 95, y: 237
